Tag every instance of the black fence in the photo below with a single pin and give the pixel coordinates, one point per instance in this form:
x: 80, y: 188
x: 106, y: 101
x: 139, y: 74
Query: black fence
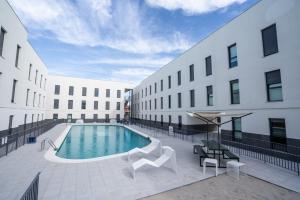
x: 274, y: 157
x: 285, y: 156
x: 11, y: 140
x: 32, y: 191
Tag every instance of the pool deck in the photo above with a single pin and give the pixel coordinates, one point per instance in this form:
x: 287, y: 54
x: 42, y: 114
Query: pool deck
x: 111, y: 178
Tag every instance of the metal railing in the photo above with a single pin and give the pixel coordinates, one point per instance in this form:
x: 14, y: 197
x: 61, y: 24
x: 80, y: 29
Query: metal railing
x: 287, y: 157
x: 274, y: 157
x: 32, y: 191
x: 17, y: 137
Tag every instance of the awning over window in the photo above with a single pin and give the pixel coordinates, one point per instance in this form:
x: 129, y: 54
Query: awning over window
x: 210, y: 117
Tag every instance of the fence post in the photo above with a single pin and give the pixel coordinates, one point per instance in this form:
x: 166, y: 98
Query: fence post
x: 17, y: 138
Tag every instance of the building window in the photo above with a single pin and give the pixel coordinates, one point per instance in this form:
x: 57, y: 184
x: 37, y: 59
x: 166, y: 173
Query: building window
x: 150, y: 88
x: 208, y: 66
x: 169, y: 82
x: 179, y: 78
x: 145, y: 105
x: 179, y: 122
x: 192, y: 98
x: 155, y: 88
x: 237, y: 128
x: 10, y: 123
x: 71, y: 90
x: 17, y: 55
x: 27, y: 96
x: 209, y: 95
x: 118, y: 106
x: 232, y: 56
x: 82, y: 116
x: 55, y: 116
x: 83, y: 104
x: 161, y: 103
x: 33, y: 100
x: 269, y: 38
x: 36, y: 75
x: 192, y: 72
x: 56, y: 104
x: 170, y: 120
x: 118, y: 93
x: 96, y: 92
x: 39, y: 100
x: 149, y: 104
x: 95, y: 105
x: 169, y: 101
x: 107, y: 105
x: 277, y: 130
x: 155, y: 103
x: 107, y: 92
x: 161, y: 120
x: 274, y: 86
x: 161, y: 85
x: 69, y: 117
x: 179, y: 100
x: 70, y: 104
x: 118, y: 117
x: 29, y: 72
x: 41, y: 80
x: 57, y: 89
x: 83, y: 91
x: 2, y: 33
x: 106, y: 117
x: 14, y: 91
x: 235, y: 91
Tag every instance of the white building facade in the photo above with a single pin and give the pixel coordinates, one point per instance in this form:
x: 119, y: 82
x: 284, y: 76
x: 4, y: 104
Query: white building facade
x: 23, y: 75
x: 249, y: 65
x: 92, y: 100
x: 27, y: 90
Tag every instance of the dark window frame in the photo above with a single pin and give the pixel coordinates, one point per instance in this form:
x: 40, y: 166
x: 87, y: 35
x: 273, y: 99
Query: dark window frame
x: 269, y: 85
x: 192, y: 72
x: 276, y: 50
x: 2, y: 38
x: 209, y: 94
x: 192, y: 98
x: 208, y: 65
x: 230, y: 57
x: 232, y: 92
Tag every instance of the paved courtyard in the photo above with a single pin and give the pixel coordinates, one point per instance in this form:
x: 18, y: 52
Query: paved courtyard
x: 111, y: 179
x: 226, y: 187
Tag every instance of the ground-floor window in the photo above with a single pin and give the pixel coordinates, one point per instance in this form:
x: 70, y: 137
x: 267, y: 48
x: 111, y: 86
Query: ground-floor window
x: 95, y: 116
x: 55, y: 117
x: 106, y: 117
x: 83, y: 116
x: 69, y: 118
x: 236, y: 128
x: 179, y: 121
x: 277, y: 130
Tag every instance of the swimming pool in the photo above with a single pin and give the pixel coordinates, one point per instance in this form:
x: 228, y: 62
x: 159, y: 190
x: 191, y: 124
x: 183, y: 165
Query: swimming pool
x: 92, y: 141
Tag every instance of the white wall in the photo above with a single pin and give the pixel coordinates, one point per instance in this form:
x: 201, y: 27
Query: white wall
x: 90, y: 84
x: 17, y: 35
x: 245, y: 31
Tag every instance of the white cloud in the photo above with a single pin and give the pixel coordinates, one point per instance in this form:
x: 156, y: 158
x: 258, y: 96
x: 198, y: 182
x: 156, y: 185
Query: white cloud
x: 193, y: 7
x: 135, y: 62
x: 121, y: 26
x: 131, y: 75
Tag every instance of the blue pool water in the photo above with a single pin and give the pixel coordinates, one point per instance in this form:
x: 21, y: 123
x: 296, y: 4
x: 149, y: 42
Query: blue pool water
x: 91, y: 141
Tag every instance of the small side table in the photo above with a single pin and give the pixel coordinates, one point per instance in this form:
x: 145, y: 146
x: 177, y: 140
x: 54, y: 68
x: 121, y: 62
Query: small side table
x: 235, y: 167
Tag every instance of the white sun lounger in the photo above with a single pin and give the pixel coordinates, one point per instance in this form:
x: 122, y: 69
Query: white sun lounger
x: 151, y: 148
x: 168, y: 156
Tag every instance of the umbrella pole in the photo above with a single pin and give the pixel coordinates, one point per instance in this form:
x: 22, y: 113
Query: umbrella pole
x: 207, y: 131
x: 219, y: 144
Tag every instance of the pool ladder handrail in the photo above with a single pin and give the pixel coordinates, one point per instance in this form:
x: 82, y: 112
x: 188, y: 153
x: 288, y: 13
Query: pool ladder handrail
x: 50, y: 142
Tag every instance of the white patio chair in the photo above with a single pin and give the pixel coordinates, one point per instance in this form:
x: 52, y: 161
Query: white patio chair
x: 168, y: 156
x: 79, y: 121
x: 155, y: 146
x: 211, y: 161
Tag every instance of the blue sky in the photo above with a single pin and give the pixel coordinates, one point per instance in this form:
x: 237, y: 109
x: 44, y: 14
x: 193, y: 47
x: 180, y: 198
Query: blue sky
x: 119, y: 40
